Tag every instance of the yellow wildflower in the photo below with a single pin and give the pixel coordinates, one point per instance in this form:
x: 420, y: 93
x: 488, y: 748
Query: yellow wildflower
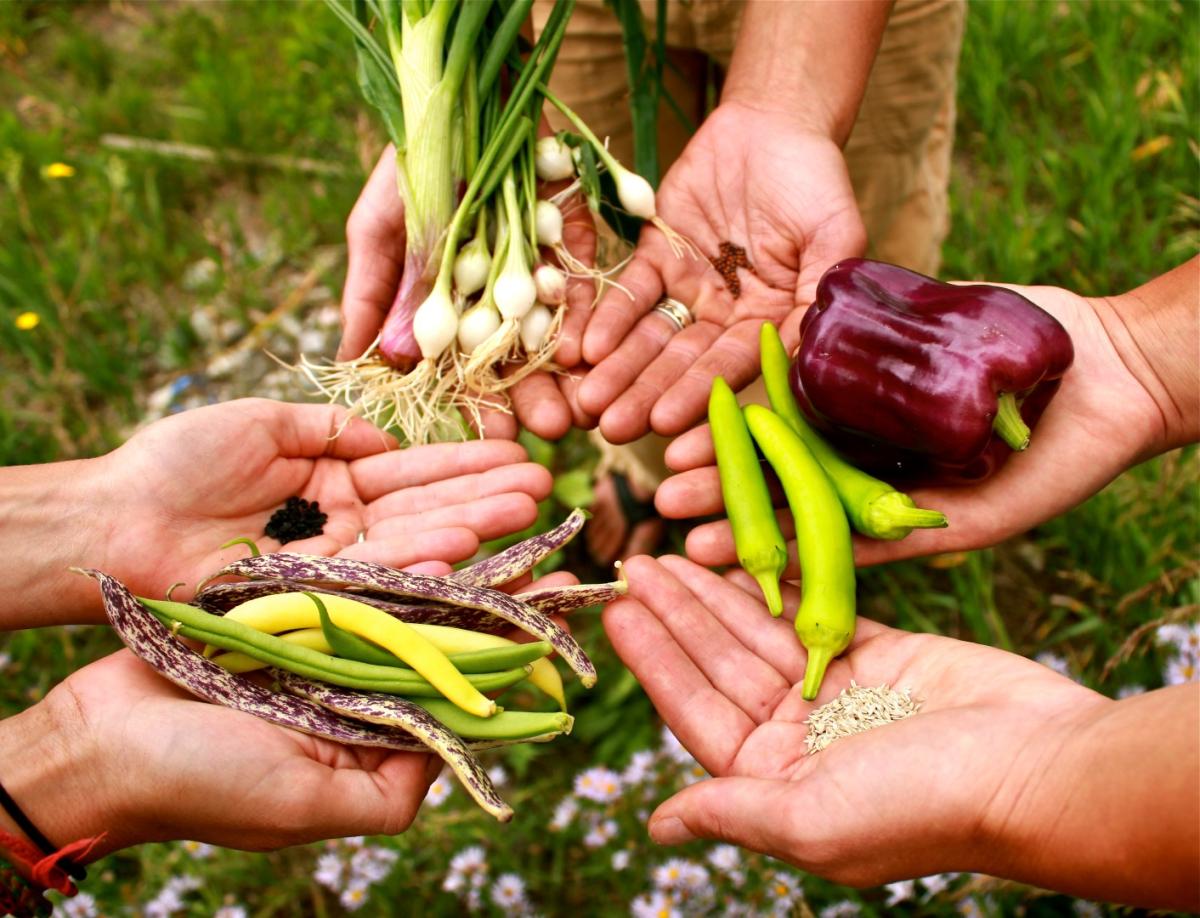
x: 58, y: 170
x: 27, y: 321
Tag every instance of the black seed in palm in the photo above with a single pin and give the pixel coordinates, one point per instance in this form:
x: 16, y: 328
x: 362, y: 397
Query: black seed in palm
x: 296, y: 519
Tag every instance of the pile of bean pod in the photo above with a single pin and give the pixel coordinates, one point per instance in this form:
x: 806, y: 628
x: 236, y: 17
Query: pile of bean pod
x: 364, y: 654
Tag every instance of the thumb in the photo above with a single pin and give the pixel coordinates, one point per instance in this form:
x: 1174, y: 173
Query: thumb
x: 749, y: 812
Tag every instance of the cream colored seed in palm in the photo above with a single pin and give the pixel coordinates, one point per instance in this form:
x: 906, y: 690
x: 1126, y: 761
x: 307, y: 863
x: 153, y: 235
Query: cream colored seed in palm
x: 855, y: 710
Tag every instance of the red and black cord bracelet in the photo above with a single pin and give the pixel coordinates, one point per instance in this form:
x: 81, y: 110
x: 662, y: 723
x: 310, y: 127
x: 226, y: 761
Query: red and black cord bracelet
x: 35, y: 835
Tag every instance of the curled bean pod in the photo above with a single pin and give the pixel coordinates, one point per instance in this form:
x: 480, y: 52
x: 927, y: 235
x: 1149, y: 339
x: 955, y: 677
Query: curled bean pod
x: 520, y: 558
x: 399, y: 712
x: 342, y: 572
x: 563, y: 599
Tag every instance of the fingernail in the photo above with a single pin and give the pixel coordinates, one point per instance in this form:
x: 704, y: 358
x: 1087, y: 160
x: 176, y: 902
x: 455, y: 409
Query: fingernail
x: 670, y: 831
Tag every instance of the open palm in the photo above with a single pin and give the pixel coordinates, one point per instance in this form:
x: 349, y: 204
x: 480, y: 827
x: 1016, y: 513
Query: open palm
x: 186, y: 485
x: 1101, y: 422
x: 927, y: 794
x: 749, y: 178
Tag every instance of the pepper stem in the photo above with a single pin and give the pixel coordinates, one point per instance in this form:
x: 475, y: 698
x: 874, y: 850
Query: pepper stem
x: 893, y: 515
x: 768, y: 582
x: 819, y: 659
x: 1009, y: 425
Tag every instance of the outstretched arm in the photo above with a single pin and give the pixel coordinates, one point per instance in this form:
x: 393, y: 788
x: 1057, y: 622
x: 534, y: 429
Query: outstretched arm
x: 156, y: 510
x: 1133, y: 392
x: 1008, y: 768
x: 764, y: 172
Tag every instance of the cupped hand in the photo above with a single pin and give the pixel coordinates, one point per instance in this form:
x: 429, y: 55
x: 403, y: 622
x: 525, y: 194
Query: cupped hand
x: 751, y: 178
x: 935, y: 792
x: 543, y: 402
x: 182, y: 487
x: 1101, y: 421
x: 140, y: 759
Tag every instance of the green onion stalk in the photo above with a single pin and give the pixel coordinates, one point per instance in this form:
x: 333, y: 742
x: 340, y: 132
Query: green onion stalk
x: 485, y: 266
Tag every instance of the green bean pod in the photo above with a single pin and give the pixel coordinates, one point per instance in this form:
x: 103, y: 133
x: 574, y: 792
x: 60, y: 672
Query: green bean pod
x: 505, y: 725
x: 761, y: 549
x: 875, y: 508
x: 826, y: 617
x: 488, y: 660
x: 235, y: 636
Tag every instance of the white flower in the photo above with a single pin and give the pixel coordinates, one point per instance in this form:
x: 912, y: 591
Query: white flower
x: 508, y: 893
x: 1180, y: 671
x: 695, y: 877
x: 329, y: 871
x: 670, y: 874
x: 901, y: 891
x: 1184, y: 638
x: 1128, y: 691
x: 654, y: 905
x: 469, y: 860
x: 564, y: 813
x: 843, y: 909
x: 354, y: 841
x: 640, y: 767
x: 372, y: 864
x: 80, y: 905
x: 784, y: 889
x: 673, y: 749
x: 164, y: 904
x: 1055, y: 662
x: 736, y: 877
x: 230, y: 911
x: 1085, y: 909
x: 198, y: 850
x: 354, y: 896
x: 937, y: 883
x: 620, y: 860
x: 439, y: 790
x: 601, y: 834
x: 183, y: 885
x: 725, y: 858
x: 498, y: 775
x: 600, y: 784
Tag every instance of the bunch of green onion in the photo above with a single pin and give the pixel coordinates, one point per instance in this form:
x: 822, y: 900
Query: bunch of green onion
x: 485, y: 269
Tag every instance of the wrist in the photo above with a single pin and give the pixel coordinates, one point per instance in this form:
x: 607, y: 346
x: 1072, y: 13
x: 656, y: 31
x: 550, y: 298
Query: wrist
x: 49, y: 766
x: 1154, y: 329
x: 52, y: 523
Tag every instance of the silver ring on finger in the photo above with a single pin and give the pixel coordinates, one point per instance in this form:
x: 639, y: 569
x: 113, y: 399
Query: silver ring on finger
x: 675, y: 312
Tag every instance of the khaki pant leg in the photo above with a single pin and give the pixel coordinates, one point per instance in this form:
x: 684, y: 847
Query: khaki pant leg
x: 899, y: 151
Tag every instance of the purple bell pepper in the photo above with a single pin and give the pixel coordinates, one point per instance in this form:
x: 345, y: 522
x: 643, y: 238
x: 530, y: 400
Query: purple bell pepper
x: 907, y: 374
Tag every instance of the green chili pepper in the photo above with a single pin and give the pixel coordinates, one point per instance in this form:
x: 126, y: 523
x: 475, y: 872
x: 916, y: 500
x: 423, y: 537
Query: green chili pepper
x: 231, y: 635
x: 825, y: 620
x: 761, y: 549
x: 875, y: 508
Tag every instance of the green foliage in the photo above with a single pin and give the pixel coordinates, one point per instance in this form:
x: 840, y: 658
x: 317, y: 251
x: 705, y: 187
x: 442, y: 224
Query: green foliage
x: 1076, y: 164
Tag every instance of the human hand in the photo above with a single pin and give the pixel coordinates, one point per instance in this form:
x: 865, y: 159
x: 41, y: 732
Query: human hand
x: 543, y: 402
x: 1005, y: 769
x: 184, y: 486
x: 756, y: 179
x: 1103, y: 420
x: 116, y: 748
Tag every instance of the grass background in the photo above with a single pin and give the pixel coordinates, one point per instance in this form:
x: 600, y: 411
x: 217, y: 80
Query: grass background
x: 1076, y: 164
